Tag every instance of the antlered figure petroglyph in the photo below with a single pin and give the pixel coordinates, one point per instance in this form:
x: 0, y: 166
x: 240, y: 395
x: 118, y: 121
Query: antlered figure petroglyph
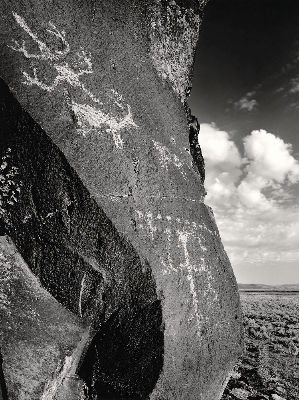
x: 89, y: 117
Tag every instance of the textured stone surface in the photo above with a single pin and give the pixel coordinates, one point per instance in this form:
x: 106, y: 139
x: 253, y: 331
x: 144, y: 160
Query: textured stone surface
x: 174, y: 30
x: 38, y: 336
x: 76, y: 253
x: 108, y: 83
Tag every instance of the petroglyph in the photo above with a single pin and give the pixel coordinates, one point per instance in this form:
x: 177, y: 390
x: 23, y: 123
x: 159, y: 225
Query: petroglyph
x: 151, y: 227
x: 45, y: 52
x: 174, y: 234
x: 168, y: 263
x: 88, y: 117
x: 6, y: 276
x: 167, y: 158
x: 81, y: 293
x: 10, y: 186
x: 156, y: 223
x: 183, y: 240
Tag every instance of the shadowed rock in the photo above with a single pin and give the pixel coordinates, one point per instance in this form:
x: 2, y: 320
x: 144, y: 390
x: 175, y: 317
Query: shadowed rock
x: 78, y: 256
x: 39, y: 337
x: 3, y: 388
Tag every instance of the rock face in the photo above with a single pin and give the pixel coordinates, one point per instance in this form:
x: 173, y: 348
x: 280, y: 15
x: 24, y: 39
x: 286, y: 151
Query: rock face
x: 72, y: 247
x: 108, y: 210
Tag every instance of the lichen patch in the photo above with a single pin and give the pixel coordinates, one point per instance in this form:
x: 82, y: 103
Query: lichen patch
x: 174, y: 33
x: 10, y: 185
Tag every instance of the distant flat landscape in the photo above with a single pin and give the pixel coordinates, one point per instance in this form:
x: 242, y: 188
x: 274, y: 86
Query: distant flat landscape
x: 251, y: 287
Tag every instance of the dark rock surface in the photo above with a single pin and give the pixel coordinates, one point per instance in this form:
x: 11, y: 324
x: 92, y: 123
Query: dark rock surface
x: 39, y: 337
x: 72, y: 247
x: 108, y: 82
x: 3, y: 387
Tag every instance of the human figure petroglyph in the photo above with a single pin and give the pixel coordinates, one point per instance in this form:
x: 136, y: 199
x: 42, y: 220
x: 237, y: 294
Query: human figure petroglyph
x: 167, y: 262
x: 167, y: 158
x: 89, y: 117
x: 173, y: 232
x: 183, y: 239
x: 157, y: 221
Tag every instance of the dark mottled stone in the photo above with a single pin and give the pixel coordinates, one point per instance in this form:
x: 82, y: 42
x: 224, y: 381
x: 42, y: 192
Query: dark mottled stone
x: 114, y: 104
x: 3, y: 388
x: 195, y: 149
x: 71, y: 245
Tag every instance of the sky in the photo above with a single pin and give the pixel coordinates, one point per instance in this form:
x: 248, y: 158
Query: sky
x: 246, y: 97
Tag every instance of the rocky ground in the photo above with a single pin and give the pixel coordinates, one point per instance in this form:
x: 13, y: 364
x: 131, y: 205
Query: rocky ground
x: 269, y: 369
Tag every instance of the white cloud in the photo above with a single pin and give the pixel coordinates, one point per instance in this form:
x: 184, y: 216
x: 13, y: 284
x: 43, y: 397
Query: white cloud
x: 223, y: 162
x: 294, y: 85
x: 270, y: 157
x: 246, y: 103
x: 261, y: 236
x: 218, y: 146
x: 250, y: 194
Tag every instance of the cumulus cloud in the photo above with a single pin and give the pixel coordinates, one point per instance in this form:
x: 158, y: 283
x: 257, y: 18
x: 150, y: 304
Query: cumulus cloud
x: 267, y: 163
x: 294, y: 85
x: 248, y: 190
x: 219, y: 147
x: 223, y: 162
x: 250, y: 193
x: 270, y: 157
x: 246, y: 103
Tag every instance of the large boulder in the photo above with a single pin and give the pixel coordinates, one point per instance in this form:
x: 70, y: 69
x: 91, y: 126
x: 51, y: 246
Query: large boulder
x: 41, y: 341
x: 108, y: 82
x: 74, y: 252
